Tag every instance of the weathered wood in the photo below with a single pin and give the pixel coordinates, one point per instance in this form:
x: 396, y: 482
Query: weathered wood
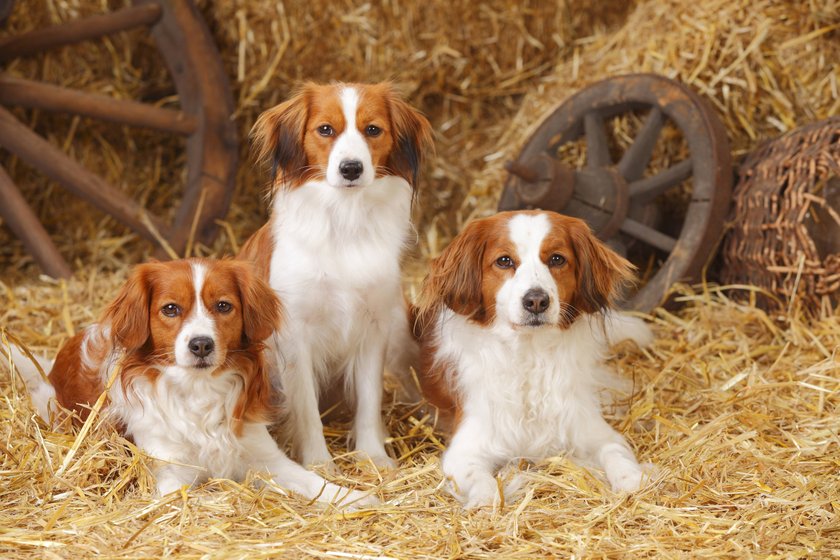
x: 37, y: 152
x: 6, y: 9
x: 25, y: 225
x: 36, y: 95
x: 79, y: 30
x: 187, y: 47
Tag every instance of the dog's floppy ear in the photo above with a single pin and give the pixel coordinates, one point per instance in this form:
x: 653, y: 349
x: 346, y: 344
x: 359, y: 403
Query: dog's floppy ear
x: 128, y: 314
x: 278, y: 136
x: 601, y: 272
x: 412, y: 137
x: 455, y: 278
x: 261, y: 308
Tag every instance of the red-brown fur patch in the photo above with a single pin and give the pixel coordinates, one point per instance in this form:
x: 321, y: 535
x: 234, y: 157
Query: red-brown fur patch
x: 436, y: 386
x: 463, y: 277
x: 74, y: 383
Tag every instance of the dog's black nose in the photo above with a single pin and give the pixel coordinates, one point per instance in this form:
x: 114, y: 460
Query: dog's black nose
x: 201, y: 346
x: 536, y: 300
x: 350, y: 169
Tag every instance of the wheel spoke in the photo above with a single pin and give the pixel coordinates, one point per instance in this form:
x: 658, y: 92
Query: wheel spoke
x: 597, y: 149
x: 651, y: 187
x: 35, y: 95
x: 636, y: 158
x: 55, y: 164
x: 25, y: 224
x: 79, y: 30
x: 649, y: 235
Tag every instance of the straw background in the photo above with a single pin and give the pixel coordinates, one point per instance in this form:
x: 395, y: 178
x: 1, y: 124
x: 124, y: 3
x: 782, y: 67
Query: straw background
x: 740, y: 410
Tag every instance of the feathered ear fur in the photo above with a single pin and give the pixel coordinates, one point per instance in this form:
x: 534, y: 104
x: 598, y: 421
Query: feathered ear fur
x: 455, y: 278
x: 278, y: 137
x: 128, y: 314
x: 261, y: 308
x: 412, y: 138
x: 262, y: 314
x: 601, y: 272
x: 257, y: 401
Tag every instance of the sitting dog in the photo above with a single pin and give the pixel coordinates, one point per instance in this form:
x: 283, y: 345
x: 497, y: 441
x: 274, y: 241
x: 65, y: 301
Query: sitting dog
x: 192, y: 389
x: 513, y: 320
x: 346, y: 159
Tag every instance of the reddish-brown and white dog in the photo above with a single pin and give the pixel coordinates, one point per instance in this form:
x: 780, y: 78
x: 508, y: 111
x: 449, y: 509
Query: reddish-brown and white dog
x: 514, y: 320
x: 345, y: 159
x: 192, y: 390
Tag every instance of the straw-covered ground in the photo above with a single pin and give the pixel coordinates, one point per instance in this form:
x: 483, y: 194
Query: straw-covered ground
x: 740, y: 410
x: 741, y: 414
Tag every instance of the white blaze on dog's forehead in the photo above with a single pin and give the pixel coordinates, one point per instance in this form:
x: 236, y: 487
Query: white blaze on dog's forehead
x: 199, y: 274
x: 349, y: 105
x: 200, y: 312
x: 350, y: 145
x: 199, y: 323
x: 527, y: 232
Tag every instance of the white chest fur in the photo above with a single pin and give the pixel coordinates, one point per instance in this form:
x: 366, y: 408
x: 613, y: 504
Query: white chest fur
x: 523, y: 387
x: 185, y: 417
x: 335, y: 264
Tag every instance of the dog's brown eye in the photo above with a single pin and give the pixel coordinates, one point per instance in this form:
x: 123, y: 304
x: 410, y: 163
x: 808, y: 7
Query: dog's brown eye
x: 556, y: 260
x: 504, y: 262
x: 171, y: 310
x: 224, y: 307
x: 326, y: 130
x: 373, y: 131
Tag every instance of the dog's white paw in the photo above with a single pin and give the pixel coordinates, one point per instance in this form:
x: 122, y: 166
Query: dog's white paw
x: 166, y: 484
x: 625, y: 479
x: 316, y: 456
x: 476, y: 490
x: 627, y: 476
x: 353, y: 499
x: 380, y: 460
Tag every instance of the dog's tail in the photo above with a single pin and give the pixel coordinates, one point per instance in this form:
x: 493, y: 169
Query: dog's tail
x: 40, y: 389
x: 621, y: 326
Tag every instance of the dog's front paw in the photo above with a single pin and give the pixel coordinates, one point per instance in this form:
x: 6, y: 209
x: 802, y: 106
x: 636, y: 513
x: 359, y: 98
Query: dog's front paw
x: 167, y: 483
x: 476, y: 490
x: 380, y: 460
x: 353, y: 500
x: 625, y: 479
x: 628, y: 476
x: 318, y: 456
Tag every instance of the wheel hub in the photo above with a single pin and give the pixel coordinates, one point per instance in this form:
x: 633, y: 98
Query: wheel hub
x: 599, y: 194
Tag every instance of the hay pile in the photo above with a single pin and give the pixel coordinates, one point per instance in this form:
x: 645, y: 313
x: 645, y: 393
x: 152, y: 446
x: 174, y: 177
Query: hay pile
x: 766, y: 66
x: 464, y: 65
x: 740, y: 411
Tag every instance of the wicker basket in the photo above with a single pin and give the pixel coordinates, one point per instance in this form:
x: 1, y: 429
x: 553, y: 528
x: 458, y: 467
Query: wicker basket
x: 785, y: 235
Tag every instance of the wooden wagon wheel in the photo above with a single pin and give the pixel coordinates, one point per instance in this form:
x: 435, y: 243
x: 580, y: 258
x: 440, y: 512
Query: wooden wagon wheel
x: 617, y: 200
x: 184, y: 42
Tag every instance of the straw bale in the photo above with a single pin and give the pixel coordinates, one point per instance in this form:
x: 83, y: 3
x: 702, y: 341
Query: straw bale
x: 485, y: 73
x: 463, y: 63
x: 765, y: 66
x: 739, y: 413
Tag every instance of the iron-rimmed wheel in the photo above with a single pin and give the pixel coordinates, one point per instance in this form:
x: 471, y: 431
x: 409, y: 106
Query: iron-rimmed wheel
x: 206, y: 105
x: 611, y: 191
